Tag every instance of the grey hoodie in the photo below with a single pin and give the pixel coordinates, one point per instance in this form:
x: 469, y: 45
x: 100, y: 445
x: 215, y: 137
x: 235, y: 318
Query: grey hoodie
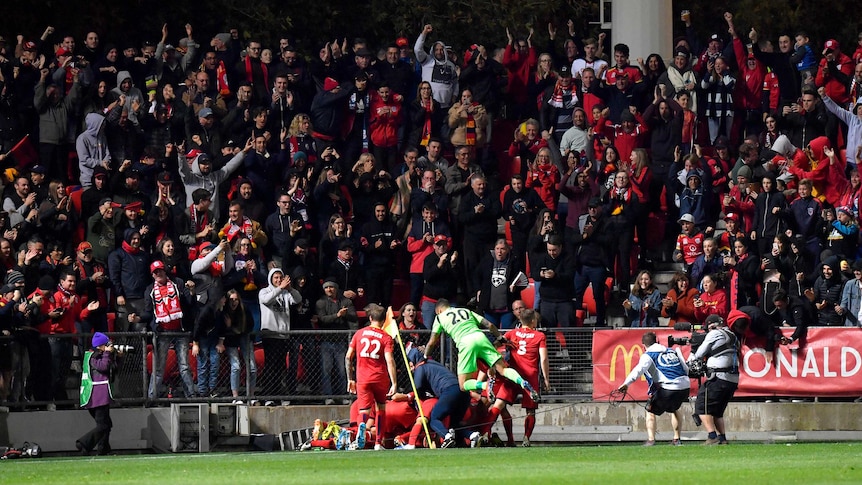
x: 275, y: 307
x: 443, y: 75
x: 133, y: 94
x: 92, y: 147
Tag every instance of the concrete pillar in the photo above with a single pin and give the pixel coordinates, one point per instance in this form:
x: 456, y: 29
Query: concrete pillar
x: 646, y: 26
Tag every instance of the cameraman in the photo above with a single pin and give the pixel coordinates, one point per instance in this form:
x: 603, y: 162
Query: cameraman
x: 667, y: 375
x: 96, y: 396
x: 721, y: 349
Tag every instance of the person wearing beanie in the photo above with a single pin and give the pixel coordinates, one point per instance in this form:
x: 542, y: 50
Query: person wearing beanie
x: 826, y: 294
x: 334, y: 312
x: 96, y: 396
x: 327, y: 113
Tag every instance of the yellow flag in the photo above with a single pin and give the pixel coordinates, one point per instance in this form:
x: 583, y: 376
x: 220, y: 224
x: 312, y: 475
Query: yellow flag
x: 390, y: 326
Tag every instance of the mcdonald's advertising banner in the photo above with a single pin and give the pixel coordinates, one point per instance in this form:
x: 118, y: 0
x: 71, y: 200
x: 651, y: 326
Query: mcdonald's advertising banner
x: 828, y: 365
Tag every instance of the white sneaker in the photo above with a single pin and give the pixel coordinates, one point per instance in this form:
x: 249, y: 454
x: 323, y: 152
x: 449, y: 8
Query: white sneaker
x: 253, y: 402
x: 378, y: 447
x: 526, y: 442
x: 269, y: 403
x: 285, y: 403
x: 236, y: 401
x: 51, y: 407
x: 346, y: 402
x: 329, y: 402
x: 474, y: 439
x: 408, y: 447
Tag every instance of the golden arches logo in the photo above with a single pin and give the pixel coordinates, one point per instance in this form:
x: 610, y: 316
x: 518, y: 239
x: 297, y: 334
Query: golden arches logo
x: 628, y: 354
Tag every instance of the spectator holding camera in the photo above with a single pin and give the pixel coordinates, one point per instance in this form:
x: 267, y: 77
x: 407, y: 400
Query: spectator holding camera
x: 721, y: 350
x: 667, y: 375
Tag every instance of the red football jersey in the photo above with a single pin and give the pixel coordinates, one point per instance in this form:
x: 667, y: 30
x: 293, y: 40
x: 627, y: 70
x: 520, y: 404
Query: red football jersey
x: 525, y: 355
x: 370, y: 345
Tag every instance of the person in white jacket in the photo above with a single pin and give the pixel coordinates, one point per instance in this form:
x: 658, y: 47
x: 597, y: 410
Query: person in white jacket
x: 853, y: 120
x: 275, y: 301
x: 437, y: 69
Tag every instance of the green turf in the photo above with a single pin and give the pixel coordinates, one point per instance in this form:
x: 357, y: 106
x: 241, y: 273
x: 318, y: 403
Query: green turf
x: 740, y: 464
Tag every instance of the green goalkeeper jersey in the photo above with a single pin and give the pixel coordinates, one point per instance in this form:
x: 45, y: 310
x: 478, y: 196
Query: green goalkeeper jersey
x: 458, y: 323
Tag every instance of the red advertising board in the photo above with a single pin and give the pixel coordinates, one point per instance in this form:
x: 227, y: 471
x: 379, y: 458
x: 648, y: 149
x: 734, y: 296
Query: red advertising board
x: 829, y: 365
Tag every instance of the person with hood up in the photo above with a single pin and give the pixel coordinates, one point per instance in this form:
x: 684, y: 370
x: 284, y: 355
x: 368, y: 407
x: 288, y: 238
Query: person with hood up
x: 437, y: 69
x: 767, y: 214
x: 275, y: 302
x: 92, y: 148
x: 815, y: 162
x: 131, y: 97
x: 199, y: 174
x: 826, y: 294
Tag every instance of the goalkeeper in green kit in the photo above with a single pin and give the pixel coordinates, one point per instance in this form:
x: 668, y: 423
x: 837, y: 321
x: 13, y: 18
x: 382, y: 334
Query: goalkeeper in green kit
x: 465, y: 328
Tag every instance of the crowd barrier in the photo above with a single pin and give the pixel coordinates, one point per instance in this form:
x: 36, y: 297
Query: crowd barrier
x: 584, y: 364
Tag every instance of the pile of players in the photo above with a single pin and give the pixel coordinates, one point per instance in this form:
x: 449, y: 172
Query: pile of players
x: 457, y: 411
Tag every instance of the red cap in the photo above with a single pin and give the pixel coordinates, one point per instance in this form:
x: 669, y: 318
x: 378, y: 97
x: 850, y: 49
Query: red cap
x: 193, y: 153
x: 63, y: 52
x: 402, y: 42
x: 85, y: 246
x: 155, y: 265
x: 135, y: 206
x: 204, y: 246
x: 441, y: 238
x: 831, y: 45
x: 732, y: 216
x: 29, y: 46
x: 329, y: 84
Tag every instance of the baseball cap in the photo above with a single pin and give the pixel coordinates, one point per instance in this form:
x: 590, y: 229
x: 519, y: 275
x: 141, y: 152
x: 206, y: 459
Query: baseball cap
x: 204, y: 112
x: 30, y: 46
x: 40, y: 169
x: 363, y: 52
x: 831, y: 45
x: 441, y: 238
x: 63, y: 52
x: 156, y: 265
x: 400, y: 42
x: 565, y: 71
x: 165, y: 178
x: 205, y: 245
x: 594, y: 202
x: 686, y: 218
x: 85, y: 246
x: 715, y: 37
x: 204, y: 158
x: 732, y: 216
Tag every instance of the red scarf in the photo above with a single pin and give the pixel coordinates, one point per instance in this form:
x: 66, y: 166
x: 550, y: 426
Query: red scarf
x: 221, y: 80
x: 166, y: 305
x: 238, y: 230
x: 129, y: 249
x: 470, y: 135
x: 249, y: 72
x: 428, y: 106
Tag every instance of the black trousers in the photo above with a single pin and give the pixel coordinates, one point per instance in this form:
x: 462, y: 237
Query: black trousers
x: 98, y: 438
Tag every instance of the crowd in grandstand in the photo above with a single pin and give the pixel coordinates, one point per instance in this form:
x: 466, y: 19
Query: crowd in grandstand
x: 224, y: 187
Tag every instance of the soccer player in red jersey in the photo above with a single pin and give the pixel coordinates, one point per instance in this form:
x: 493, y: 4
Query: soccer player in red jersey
x: 528, y: 351
x: 372, y: 378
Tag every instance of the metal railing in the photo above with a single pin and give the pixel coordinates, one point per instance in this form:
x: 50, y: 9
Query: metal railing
x: 306, y: 367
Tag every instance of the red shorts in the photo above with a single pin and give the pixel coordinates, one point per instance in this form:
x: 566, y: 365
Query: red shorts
x: 370, y: 393
x: 508, y: 391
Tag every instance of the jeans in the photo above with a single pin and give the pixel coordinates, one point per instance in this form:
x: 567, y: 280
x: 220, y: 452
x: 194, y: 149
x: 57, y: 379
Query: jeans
x: 503, y: 321
x: 237, y: 355
x: 61, y: 360
x: 162, y: 344
x: 332, y: 357
x: 594, y: 275
x: 428, y: 313
x: 208, y: 363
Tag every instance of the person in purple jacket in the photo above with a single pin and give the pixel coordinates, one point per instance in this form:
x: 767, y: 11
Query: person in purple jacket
x: 96, y: 395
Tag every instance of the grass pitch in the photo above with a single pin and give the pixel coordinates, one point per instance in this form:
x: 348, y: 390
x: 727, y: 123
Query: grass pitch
x: 806, y: 463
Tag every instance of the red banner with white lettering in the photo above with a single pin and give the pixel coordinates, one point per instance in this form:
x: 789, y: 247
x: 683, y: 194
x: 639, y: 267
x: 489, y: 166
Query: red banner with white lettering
x: 828, y: 365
